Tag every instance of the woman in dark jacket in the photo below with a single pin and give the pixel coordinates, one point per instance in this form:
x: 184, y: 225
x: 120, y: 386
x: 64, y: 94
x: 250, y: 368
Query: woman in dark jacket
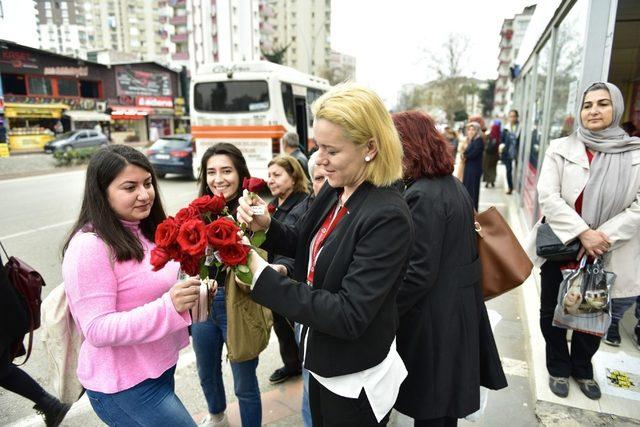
x: 14, y: 323
x: 350, y: 251
x: 490, y: 159
x: 444, y: 338
x: 289, y: 186
x: 473, y: 162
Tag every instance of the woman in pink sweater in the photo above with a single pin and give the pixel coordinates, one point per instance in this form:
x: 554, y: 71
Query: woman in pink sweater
x: 134, y: 319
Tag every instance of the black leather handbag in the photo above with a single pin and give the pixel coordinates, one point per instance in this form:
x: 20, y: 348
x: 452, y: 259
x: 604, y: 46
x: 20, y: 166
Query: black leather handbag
x: 550, y: 247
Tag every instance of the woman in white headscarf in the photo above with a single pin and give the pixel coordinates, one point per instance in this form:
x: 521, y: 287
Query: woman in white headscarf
x: 589, y: 188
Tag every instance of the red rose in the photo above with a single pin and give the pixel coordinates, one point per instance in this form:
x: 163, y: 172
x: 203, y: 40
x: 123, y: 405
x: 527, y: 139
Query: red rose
x: 271, y: 208
x: 255, y: 185
x: 167, y: 232
x: 159, y: 257
x: 222, y: 232
x: 216, y: 204
x: 190, y: 265
x: 185, y: 214
x: 201, y: 203
x: 233, y: 255
x: 192, y: 237
x: 174, y: 251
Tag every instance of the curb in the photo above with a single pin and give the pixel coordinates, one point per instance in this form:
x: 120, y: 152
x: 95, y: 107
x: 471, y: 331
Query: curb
x: 54, y: 171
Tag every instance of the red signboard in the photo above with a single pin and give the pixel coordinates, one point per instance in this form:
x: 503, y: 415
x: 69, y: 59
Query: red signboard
x: 154, y: 101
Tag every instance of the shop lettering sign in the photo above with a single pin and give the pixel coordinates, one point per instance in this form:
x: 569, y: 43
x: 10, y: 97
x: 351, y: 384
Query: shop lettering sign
x: 154, y: 101
x: 73, y: 103
x: 142, y: 83
x: 18, y: 59
x: 67, y: 71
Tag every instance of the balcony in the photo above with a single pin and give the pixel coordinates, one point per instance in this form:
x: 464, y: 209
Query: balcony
x: 163, y: 19
x: 180, y: 56
x: 180, y: 4
x: 177, y: 38
x: 178, y: 20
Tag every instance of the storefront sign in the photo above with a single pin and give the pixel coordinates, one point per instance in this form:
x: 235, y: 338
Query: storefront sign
x: 73, y: 103
x: 142, y: 83
x: 67, y: 71
x: 154, y: 101
x: 18, y: 59
x: 28, y: 112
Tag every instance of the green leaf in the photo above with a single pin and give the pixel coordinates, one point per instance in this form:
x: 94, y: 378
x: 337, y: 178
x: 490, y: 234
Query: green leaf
x: 204, y: 271
x: 243, y: 269
x: 258, y: 238
x: 245, y: 277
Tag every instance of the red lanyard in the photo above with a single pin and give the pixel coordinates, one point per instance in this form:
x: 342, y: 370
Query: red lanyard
x: 329, y: 224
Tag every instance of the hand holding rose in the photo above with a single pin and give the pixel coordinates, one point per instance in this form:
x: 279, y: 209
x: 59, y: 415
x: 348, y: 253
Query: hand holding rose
x: 247, y: 216
x: 184, y: 294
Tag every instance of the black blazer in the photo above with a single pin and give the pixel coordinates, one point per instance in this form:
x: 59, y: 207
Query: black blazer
x: 283, y: 214
x: 445, y: 338
x: 350, y: 313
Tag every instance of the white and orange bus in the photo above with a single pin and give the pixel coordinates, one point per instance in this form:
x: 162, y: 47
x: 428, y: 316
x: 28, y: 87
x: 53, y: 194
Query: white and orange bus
x: 251, y: 105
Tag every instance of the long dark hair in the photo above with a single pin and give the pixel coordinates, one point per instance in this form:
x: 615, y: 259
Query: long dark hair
x: 96, y: 214
x: 239, y: 163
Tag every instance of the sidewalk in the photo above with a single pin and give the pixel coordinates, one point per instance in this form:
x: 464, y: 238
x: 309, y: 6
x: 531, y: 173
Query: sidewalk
x: 20, y: 165
x: 616, y: 401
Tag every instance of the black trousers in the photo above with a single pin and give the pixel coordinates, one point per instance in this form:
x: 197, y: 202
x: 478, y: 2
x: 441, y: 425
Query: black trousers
x: 287, y: 341
x: 561, y: 362
x: 330, y: 410
x: 18, y: 381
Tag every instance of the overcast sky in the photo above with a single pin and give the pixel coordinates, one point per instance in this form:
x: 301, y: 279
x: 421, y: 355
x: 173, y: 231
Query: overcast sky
x: 388, y: 38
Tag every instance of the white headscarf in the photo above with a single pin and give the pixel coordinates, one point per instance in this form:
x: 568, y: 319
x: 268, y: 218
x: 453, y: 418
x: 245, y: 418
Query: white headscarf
x: 605, y: 193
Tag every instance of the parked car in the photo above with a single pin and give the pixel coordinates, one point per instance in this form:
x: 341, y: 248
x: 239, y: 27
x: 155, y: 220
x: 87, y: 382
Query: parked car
x: 172, y: 154
x: 76, y: 139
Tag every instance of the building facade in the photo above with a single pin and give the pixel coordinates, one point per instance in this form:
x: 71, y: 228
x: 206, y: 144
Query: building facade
x: 342, y: 67
x: 511, y: 36
x: 205, y: 31
x: 303, y: 29
x: 76, y: 27
x: 570, y: 43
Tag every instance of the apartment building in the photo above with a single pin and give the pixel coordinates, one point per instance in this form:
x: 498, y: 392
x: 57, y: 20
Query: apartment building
x: 62, y: 27
x: 302, y: 28
x: 511, y: 36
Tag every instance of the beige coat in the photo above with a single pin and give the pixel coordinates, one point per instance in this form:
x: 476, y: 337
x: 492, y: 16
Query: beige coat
x: 563, y: 177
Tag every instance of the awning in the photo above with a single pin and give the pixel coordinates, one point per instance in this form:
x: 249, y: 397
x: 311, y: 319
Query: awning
x: 120, y: 112
x: 33, y: 111
x: 88, y: 116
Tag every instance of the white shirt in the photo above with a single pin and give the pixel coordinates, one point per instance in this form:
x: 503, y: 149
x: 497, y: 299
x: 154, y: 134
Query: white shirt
x: 381, y: 383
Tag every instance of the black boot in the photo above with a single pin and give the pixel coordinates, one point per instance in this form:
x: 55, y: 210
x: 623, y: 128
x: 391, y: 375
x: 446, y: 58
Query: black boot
x: 53, y: 410
x: 613, y: 335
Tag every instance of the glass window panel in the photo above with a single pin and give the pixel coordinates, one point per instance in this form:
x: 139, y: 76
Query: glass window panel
x: 67, y: 87
x: 568, y: 68
x: 40, y: 86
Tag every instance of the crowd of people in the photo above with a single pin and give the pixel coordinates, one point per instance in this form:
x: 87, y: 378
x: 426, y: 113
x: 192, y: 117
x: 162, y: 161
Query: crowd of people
x: 372, y: 271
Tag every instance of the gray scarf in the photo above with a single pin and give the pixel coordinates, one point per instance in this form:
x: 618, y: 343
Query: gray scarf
x: 610, y: 170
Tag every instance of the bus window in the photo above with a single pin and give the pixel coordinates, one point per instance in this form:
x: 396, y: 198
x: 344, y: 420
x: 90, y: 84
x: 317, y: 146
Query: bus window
x: 288, y: 103
x: 237, y: 96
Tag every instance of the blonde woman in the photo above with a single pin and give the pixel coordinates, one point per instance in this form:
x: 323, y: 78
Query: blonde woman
x: 351, y: 250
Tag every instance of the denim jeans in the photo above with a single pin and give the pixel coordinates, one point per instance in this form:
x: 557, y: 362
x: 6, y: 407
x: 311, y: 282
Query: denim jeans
x: 620, y: 305
x: 306, y: 409
x: 208, y: 338
x: 153, y: 402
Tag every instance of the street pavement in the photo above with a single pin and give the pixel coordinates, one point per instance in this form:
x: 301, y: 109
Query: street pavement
x: 37, y: 214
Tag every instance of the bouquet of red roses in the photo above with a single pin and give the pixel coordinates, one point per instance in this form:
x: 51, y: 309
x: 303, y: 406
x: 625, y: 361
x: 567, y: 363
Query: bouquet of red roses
x: 202, y: 235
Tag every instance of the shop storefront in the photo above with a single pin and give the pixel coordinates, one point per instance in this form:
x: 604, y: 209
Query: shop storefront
x: 32, y: 126
x: 568, y: 45
x: 46, y: 94
x: 129, y: 124
x: 144, y: 110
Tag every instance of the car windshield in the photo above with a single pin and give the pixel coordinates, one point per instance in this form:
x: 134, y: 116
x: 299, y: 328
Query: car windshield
x: 170, y: 144
x: 238, y: 96
x: 66, y: 135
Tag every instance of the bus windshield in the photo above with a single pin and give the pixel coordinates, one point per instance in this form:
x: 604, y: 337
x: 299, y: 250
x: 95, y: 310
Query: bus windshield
x: 235, y: 96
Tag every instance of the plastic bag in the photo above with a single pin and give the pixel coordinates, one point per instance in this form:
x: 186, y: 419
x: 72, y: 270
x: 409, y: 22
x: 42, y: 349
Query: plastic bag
x: 584, y: 299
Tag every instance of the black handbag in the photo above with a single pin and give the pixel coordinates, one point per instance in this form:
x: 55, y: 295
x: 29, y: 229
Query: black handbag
x: 550, y: 247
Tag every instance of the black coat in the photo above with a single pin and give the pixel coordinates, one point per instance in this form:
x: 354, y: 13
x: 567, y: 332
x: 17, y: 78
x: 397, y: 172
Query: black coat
x: 473, y: 169
x: 445, y: 338
x: 14, y: 317
x: 283, y: 213
x: 350, y: 313
x: 293, y: 215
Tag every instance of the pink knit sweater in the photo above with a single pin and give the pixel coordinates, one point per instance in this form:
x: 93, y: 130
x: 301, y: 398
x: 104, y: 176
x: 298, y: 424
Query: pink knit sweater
x: 131, y: 328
